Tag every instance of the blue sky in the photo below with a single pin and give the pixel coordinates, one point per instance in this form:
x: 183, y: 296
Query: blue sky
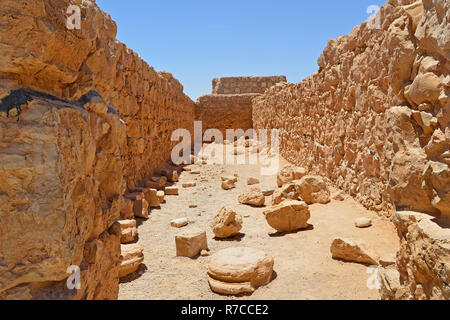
x: 199, y: 40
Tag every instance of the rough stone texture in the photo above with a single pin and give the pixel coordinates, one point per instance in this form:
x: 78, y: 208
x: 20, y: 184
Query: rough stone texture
x: 289, y: 173
x: 313, y: 189
x: 128, y: 230
x: 423, y: 261
x: 288, y: 191
x: 66, y: 163
x: 373, y: 131
x: 240, y: 85
x: 224, y: 112
x: 191, y: 243
x: 363, y: 222
x: 132, y: 255
x: 226, y: 223
x: 353, y: 251
x: 239, y: 270
x: 252, y: 196
x: 288, y: 216
x: 61, y: 186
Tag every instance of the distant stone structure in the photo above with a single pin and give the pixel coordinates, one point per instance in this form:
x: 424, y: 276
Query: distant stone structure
x: 230, y: 104
x: 240, y: 85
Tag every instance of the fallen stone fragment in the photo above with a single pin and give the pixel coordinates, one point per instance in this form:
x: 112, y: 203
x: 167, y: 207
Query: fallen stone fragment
x: 228, y: 184
x: 252, y: 181
x: 289, y: 173
x: 226, y: 223
x: 192, y: 206
x: 239, y: 270
x: 268, y: 192
x: 363, y: 222
x: 204, y: 253
x: 191, y: 243
x: 160, y: 195
x: 151, y: 195
x: 128, y: 230
x: 313, y: 189
x: 286, y: 192
x: 171, y: 191
x: 288, y: 216
x: 229, y: 178
x: 179, y: 223
x: 195, y: 171
x: 140, y: 209
x: 353, y: 251
x: 252, y: 196
x: 132, y: 255
x: 189, y: 184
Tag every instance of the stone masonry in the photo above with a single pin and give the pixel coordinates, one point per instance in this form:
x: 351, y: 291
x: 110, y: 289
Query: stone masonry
x: 230, y: 104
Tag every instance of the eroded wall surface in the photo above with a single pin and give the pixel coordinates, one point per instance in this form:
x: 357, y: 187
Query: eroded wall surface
x: 240, y: 85
x: 375, y: 117
x: 68, y: 158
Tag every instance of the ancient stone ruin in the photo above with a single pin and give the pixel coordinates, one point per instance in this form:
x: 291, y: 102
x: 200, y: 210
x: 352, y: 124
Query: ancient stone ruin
x: 91, y: 204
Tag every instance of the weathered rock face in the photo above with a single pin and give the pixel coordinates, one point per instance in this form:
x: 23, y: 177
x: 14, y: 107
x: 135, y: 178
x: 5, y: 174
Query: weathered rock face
x: 240, y: 85
x: 226, y: 223
x: 67, y: 162
x: 423, y: 261
x: 288, y: 216
x: 239, y: 270
x: 224, y: 112
x: 252, y: 196
x: 353, y: 251
x: 380, y: 133
x: 313, y: 189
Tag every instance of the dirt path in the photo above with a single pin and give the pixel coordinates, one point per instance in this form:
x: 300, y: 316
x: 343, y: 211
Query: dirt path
x: 303, y: 264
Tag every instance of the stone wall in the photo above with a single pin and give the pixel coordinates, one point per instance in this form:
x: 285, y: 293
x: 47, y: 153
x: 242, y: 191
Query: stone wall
x: 69, y: 157
x: 230, y: 104
x: 374, y: 118
x: 239, y: 85
x: 224, y: 112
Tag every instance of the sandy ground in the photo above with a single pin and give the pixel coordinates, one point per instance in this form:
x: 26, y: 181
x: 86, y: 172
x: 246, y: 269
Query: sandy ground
x: 303, y: 264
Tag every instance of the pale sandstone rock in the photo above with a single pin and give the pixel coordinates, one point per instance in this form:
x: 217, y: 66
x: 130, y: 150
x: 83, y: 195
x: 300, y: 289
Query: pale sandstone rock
x: 226, y: 223
x: 239, y: 270
x: 286, y: 192
x: 313, y: 189
x: 251, y: 181
x: 363, y: 222
x: 171, y: 191
x: 288, y: 216
x: 140, y: 209
x: 352, y: 251
x: 204, y: 253
x: 179, y: 223
x: 131, y: 256
x: 128, y: 230
x: 252, y: 196
x: 285, y: 175
x: 189, y: 184
x: 228, y: 184
x: 160, y: 195
x: 268, y: 192
x: 231, y: 178
x: 422, y: 258
x: 191, y: 243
